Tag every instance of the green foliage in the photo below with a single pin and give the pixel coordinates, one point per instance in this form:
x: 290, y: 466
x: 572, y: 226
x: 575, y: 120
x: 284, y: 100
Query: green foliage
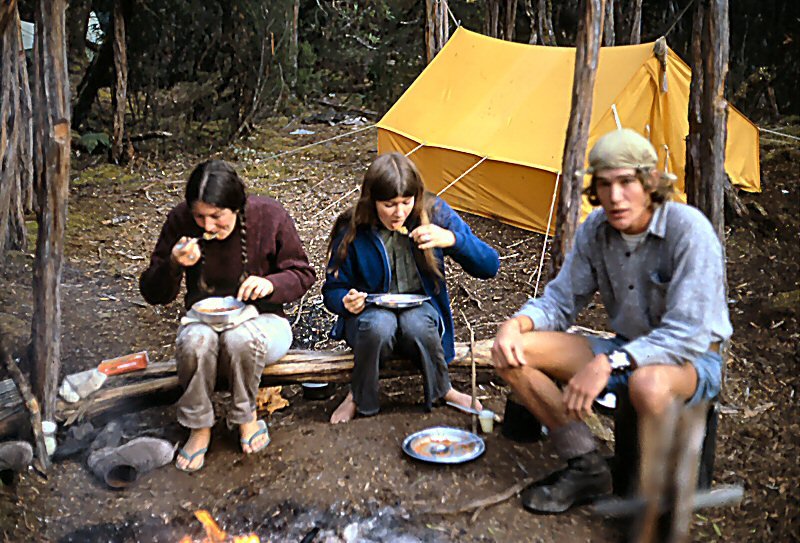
x: 94, y: 141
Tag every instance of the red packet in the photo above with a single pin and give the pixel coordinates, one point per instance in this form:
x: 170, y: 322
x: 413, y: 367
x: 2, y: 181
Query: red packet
x: 124, y: 364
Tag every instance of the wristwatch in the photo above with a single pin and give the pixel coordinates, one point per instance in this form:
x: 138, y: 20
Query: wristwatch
x: 620, y: 361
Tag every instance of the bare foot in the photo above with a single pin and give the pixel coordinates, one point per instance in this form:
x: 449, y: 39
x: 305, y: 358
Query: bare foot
x: 464, y: 400
x: 199, y: 438
x: 246, y: 432
x: 346, y: 410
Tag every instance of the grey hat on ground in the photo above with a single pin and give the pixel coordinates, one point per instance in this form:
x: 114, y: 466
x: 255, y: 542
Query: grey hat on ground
x: 119, y: 467
x: 622, y: 148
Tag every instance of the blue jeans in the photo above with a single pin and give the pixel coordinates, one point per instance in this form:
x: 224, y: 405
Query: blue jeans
x: 708, y: 367
x: 376, y: 334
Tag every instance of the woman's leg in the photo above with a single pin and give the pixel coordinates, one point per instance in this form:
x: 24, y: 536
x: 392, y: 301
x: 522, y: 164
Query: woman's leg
x: 244, y: 351
x: 196, y: 356
x: 419, y: 340
x: 371, y: 335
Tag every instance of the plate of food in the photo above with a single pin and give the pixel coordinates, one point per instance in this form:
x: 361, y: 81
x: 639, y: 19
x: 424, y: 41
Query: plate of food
x: 397, y: 301
x: 444, y: 445
x: 218, y: 309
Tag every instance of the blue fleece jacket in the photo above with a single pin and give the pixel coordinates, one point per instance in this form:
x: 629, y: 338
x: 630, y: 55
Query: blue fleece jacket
x: 366, y: 269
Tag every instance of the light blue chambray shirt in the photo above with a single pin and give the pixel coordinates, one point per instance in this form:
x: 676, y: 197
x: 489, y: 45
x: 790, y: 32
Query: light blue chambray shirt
x: 666, y: 296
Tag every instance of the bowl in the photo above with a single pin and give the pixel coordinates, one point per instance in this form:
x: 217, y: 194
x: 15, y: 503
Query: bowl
x: 218, y: 309
x: 317, y: 391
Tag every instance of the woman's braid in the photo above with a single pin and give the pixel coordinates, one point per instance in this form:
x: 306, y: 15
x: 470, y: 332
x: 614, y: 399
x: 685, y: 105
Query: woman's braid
x: 243, y: 238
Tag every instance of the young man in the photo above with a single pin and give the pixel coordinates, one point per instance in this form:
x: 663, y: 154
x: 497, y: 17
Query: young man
x: 658, y: 267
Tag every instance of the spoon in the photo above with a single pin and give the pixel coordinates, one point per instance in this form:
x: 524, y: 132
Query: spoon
x: 207, y: 236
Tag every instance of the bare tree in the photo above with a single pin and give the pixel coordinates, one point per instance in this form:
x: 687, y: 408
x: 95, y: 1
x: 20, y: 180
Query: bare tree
x: 587, y: 48
x: 636, y: 25
x: 530, y: 11
x: 608, y: 25
x: 545, y: 15
x: 437, y: 27
x: 52, y: 143
x: 120, y: 83
x: 708, y: 113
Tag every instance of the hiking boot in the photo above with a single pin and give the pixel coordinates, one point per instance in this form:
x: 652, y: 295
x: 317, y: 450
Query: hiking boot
x: 585, y: 478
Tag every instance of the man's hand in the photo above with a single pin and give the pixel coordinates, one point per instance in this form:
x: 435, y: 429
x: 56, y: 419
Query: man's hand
x: 255, y: 287
x: 429, y: 236
x: 355, y: 301
x: 585, y: 385
x: 508, y: 349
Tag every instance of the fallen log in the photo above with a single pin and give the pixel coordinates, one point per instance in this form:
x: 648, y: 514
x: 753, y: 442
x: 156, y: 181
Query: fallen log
x: 296, y: 367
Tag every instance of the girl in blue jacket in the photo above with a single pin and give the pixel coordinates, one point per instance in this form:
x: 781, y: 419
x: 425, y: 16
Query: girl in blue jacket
x: 394, y: 241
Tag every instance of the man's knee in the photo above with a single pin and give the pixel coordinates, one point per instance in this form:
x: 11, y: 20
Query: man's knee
x: 650, y: 391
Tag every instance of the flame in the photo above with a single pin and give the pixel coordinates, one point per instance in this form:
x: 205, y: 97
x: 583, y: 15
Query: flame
x: 215, y: 534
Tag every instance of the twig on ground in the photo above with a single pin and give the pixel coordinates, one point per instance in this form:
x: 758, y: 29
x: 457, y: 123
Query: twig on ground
x: 483, y: 503
x: 473, y: 391
x: 299, y: 310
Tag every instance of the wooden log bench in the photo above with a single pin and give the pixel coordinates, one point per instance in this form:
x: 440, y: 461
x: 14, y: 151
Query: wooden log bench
x: 160, y: 379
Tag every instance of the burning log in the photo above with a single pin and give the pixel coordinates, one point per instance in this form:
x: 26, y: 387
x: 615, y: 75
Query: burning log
x: 159, y: 380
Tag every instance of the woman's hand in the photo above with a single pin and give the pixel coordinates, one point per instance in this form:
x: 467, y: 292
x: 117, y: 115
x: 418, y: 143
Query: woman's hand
x: 255, y: 287
x: 186, y: 252
x: 355, y: 301
x: 429, y: 236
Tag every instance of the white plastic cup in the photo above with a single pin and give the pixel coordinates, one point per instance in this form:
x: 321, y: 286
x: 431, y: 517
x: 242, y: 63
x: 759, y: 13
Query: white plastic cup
x: 487, y: 421
x: 49, y: 431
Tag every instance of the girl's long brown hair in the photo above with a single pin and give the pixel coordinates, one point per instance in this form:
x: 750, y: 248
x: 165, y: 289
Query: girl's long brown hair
x: 389, y: 176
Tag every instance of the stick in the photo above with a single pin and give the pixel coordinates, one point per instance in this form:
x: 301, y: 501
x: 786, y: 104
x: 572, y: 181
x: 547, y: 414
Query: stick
x: 473, y: 391
x: 32, y: 406
x: 483, y: 503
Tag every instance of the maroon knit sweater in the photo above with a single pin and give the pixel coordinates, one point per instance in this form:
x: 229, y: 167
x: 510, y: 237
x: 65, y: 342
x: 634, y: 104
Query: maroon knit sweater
x: 274, y: 251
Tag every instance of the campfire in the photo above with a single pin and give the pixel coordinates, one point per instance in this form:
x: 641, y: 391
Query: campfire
x: 215, y: 534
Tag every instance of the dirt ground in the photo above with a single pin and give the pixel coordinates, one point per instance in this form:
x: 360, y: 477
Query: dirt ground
x: 352, y: 482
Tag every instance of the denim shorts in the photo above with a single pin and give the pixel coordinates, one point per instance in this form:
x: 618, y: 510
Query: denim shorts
x: 708, y: 367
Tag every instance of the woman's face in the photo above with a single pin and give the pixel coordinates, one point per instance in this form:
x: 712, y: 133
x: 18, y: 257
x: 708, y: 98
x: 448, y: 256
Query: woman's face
x: 393, y: 213
x: 214, y: 220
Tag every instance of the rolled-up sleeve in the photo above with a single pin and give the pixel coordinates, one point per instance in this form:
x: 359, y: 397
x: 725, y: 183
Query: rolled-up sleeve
x: 566, y: 295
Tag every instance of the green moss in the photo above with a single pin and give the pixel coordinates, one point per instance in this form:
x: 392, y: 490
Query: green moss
x: 103, y: 173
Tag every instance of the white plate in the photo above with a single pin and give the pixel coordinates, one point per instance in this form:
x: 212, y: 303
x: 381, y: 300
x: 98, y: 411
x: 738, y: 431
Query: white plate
x: 397, y: 301
x: 444, y: 445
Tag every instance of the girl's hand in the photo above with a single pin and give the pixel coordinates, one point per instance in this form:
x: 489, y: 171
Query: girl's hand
x: 255, y: 287
x: 429, y: 236
x: 186, y: 252
x: 355, y: 301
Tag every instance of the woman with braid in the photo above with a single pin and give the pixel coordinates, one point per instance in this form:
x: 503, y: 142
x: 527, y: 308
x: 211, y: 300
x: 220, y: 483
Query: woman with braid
x: 394, y: 240
x: 226, y: 244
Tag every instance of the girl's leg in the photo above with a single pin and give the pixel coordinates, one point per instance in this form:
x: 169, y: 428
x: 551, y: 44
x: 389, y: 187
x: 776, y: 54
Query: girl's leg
x: 419, y: 340
x: 371, y: 335
x: 196, y: 356
x: 245, y: 350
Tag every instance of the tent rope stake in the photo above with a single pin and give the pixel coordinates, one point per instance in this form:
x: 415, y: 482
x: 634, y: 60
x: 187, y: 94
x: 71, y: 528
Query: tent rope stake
x: 546, y: 233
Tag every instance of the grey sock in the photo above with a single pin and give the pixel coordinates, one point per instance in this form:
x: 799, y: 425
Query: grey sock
x: 573, y: 439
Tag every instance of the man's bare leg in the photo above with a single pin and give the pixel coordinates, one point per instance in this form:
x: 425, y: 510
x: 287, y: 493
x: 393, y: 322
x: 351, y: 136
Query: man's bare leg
x: 549, y: 356
x: 346, y: 410
x: 658, y: 392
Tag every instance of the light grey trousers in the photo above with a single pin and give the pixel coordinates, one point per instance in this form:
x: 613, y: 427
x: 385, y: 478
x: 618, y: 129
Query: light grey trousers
x: 239, y: 355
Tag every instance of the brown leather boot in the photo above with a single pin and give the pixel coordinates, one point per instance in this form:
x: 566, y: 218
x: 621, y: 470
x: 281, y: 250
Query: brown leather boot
x: 585, y: 478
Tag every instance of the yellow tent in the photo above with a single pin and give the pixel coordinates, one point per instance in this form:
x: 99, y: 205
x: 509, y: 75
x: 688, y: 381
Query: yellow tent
x: 502, y: 108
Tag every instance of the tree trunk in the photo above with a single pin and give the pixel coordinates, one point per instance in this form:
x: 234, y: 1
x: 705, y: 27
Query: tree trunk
x: 531, y: 13
x: 12, y: 130
x: 587, y: 47
x: 25, y: 137
x: 608, y: 25
x: 120, y: 84
x: 708, y: 114
x: 492, y: 23
x: 636, y: 25
x: 77, y: 21
x: 437, y: 28
x: 98, y: 74
x: 52, y: 135
x: 510, y: 18
x: 545, y: 14
x: 7, y: 11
